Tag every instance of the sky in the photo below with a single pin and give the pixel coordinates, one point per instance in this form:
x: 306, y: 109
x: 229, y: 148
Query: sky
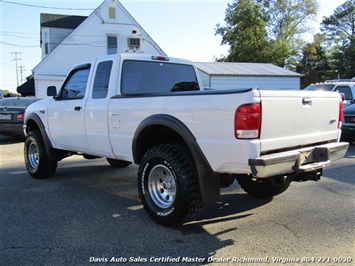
x: 181, y: 28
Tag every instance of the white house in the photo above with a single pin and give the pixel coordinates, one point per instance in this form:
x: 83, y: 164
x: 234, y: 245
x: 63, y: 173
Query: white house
x: 66, y: 40
x: 223, y: 75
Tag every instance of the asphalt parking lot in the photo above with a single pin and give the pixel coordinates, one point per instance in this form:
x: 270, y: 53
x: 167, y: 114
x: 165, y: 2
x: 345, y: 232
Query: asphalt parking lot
x: 89, y: 213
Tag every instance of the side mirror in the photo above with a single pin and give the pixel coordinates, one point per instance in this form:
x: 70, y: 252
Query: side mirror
x: 52, y: 91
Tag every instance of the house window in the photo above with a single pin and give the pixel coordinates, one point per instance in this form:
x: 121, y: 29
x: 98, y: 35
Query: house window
x: 46, y: 42
x: 111, y: 44
x: 112, y: 13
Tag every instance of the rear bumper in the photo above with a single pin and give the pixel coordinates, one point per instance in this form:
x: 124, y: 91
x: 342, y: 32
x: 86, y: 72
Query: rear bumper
x: 297, y: 161
x: 14, y: 129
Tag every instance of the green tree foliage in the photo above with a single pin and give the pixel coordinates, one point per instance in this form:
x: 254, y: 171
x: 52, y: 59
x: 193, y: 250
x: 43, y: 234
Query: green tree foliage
x: 314, y: 63
x: 8, y: 93
x: 340, y: 31
x: 245, y: 32
x: 266, y: 30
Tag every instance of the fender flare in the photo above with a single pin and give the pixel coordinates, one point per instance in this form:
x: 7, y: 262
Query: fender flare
x: 53, y: 154
x: 208, y: 180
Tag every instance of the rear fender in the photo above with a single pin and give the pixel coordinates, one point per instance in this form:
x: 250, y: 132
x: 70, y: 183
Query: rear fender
x: 209, y: 181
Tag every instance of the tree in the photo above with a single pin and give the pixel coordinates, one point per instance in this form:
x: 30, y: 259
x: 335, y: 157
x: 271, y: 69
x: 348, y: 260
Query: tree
x: 314, y: 63
x: 340, y: 31
x: 287, y: 21
x: 266, y: 30
x: 340, y: 27
x: 245, y: 32
x: 288, y: 18
x: 8, y: 93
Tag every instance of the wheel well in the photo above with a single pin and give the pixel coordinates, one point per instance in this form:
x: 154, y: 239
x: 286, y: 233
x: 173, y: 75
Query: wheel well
x: 165, y: 129
x: 31, y: 125
x: 34, y: 123
x: 155, y: 135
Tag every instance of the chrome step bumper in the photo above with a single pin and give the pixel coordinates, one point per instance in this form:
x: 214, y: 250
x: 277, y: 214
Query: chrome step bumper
x: 297, y: 161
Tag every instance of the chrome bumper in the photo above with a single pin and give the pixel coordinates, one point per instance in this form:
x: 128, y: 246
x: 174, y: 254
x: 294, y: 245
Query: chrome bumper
x: 24, y: 129
x: 297, y: 161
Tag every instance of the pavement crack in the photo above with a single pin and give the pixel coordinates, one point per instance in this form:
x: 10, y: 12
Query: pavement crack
x: 287, y: 228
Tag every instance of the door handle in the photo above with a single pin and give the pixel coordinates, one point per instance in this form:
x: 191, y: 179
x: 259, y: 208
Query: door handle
x: 306, y: 101
x: 77, y: 108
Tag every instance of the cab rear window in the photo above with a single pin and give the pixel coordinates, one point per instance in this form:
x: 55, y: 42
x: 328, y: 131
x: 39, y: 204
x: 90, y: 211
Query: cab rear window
x: 320, y: 87
x: 142, y: 77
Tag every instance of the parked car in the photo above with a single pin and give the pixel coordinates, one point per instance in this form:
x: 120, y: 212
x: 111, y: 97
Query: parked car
x: 348, y: 127
x: 347, y: 88
x: 12, y: 110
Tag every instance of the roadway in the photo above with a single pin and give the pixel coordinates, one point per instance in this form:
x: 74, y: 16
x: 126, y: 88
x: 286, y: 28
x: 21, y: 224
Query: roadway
x: 90, y: 213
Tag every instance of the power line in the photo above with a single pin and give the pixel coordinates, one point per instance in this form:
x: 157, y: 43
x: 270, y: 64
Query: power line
x: 7, y: 64
x: 48, y: 7
x: 18, y: 45
x: 16, y: 36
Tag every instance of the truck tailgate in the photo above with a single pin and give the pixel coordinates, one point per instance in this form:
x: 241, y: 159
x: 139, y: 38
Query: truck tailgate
x: 297, y: 118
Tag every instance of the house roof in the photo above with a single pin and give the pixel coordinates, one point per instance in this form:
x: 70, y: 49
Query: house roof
x: 27, y: 88
x: 244, y: 69
x: 61, y: 21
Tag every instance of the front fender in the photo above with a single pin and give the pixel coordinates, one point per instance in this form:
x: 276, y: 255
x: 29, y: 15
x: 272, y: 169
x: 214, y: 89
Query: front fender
x: 34, y: 122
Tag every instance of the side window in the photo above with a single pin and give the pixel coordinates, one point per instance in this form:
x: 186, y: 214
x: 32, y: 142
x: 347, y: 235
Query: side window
x: 75, y: 85
x: 346, y: 91
x: 102, y: 79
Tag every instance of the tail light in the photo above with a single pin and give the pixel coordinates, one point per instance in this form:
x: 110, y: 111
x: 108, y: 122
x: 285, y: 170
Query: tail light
x: 341, y: 114
x: 160, y: 58
x: 20, y: 116
x: 247, y: 121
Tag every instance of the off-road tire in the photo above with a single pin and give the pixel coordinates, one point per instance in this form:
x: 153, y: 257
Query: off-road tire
x: 36, y: 159
x: 261, y: 187
x: 118, y: 163
x: 168, y: 185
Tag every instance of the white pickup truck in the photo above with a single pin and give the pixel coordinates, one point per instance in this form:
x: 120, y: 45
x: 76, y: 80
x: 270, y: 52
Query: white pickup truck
x: 188, y: 142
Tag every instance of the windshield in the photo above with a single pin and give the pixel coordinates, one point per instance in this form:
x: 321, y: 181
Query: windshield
x: 320, y: 87
x: 16, y: 102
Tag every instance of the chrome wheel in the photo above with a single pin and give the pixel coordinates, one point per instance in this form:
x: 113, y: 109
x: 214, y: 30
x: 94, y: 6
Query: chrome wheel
x: 162, y: 186
x: 168, y: 185
x: 37, y: 161
x: 33, y: 156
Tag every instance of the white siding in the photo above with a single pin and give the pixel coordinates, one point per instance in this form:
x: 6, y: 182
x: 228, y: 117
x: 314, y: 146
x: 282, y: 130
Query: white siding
x: 56, y: 36
x: 42, y: 83
x: 236, y: 82
x: 89, y: 40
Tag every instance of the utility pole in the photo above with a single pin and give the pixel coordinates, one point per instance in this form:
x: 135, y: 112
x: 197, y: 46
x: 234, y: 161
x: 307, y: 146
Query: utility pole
x: 16, y: 59
x: 21, y: 71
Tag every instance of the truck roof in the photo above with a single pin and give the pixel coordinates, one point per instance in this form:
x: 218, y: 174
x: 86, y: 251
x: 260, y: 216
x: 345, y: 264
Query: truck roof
x: 143, y: 57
